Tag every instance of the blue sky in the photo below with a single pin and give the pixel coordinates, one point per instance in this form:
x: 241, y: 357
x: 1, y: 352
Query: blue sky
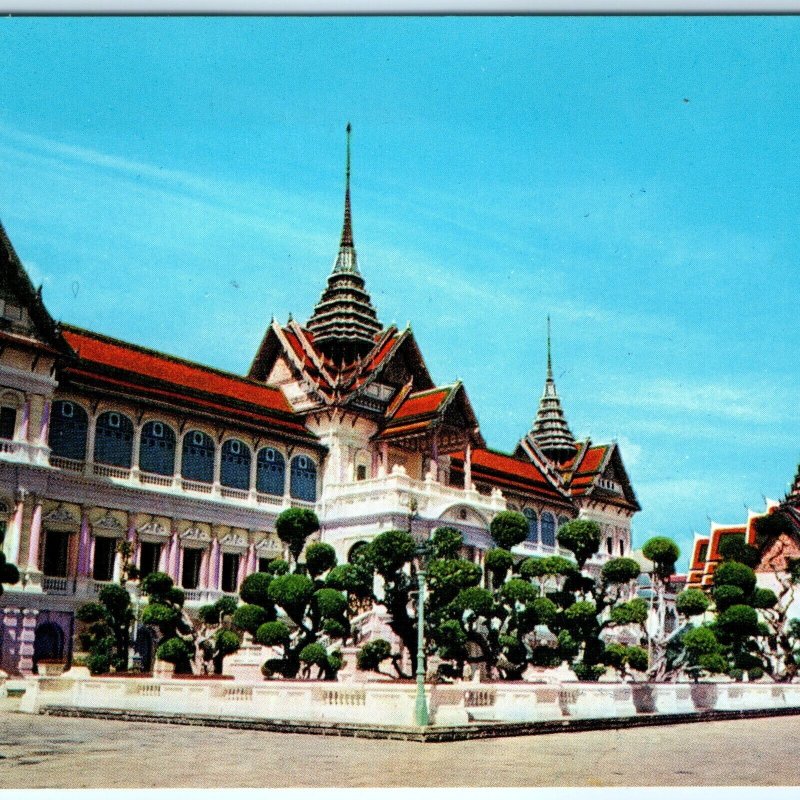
x: 176, y: 182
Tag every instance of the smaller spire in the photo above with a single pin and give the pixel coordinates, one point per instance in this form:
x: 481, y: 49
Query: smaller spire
x: 346, y: 258
x: 549, y: 359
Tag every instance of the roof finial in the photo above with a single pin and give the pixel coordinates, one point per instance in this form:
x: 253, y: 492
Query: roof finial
x: 347, y: 227
x: 549, y: 361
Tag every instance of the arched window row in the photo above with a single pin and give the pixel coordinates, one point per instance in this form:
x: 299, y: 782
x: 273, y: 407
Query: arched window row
x: 542, y: 528
x: 114, y: 436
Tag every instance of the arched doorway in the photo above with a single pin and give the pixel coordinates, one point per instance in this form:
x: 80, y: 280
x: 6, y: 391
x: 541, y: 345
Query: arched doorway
x: 48, y: 644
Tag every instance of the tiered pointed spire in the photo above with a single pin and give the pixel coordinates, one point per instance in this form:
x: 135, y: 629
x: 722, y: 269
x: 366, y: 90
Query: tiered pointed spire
x: 344, y: 322
x: 794, y: 492
x: 550, y: 430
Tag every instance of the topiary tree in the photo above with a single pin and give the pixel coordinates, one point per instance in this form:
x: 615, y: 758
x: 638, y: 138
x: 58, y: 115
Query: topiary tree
x: 107, y: 633
x: 218, y: 636
x: 165, y: 616
x: 294, y: 526
x: 508, y: 529
x: 581, y: 537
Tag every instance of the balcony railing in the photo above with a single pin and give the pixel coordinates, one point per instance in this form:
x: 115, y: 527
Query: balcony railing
x: 56, y: 585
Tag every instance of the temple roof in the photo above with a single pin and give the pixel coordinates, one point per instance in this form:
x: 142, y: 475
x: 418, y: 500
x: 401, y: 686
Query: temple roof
x: 344, y: 323
x: 126, y: 369
x: 597, y: 472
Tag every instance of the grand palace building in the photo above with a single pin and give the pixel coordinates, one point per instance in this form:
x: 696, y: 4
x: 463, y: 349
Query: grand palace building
x: 102, y: 441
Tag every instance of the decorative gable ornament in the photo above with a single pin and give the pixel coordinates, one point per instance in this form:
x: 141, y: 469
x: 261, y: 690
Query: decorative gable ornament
x: 269, y: 546
x: 234, y: 541
x: 61, y: 517
x: 153, y: 529
x: 195, y: 534
x: 109, y: 524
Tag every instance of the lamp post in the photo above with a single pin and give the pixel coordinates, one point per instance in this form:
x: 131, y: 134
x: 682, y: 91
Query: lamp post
x: 421, y: 707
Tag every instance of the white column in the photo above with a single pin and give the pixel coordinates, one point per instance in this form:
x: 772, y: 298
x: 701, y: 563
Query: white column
x: 468, y: 467
x: 90, y: 438
x: 217, y: 465
x: 116, y: 572
x: 24, y: 423
x: 44, y: 429
x: 14, y: 532
x: 137, y: 444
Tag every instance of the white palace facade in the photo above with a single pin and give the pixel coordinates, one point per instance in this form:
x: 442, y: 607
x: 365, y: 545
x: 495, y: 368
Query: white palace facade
x: 102, y: 440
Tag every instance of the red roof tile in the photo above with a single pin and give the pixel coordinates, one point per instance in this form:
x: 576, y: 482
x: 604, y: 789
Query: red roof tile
x: 129, y: 358
x: 422, y: 403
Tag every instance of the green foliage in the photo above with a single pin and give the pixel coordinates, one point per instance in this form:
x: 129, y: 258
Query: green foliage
x: 227, y: 641
x: 320, y: 557
x: 330, y: 603
x: 354, y: 579
x: 157, y: 584
x: 734, y: 548
x: 739, y: 620
x: 726, y: 596
x: 700, y: 641
x: 588, y: 672
x: 160, y: 615
x: 517, y: 590
x: 335, y: 628
x: 389, y: 551
x: 637, y: 658
x: 226, y: 606
x: 692, y: 602
x: 732, y: 573
x: 582, y: 616
x: 713, y: 662
x: 508, y: 529
x: 446, y: 542
x: 173, y: 650
x: 755, y: 673
x: 447, y: 577
x: 581, y: 537
x: 763, y: 598
x: 291, y: 592
x: 272, y: 634
x: 176, y: 595
x: 770, y: 526
x: 372, y: 654
x: 663, y: 552
x: 513, y: 648
x: 544, y: 610
x: 115, y: 598
x: 9, y: 574
x: 479, y: 601
x: 98, y: 663
x: 568, y: 645
x: 277, y: 567
x: 294, y: 526
x: 451, y: 638
x: 249, y: 617
x: 91, y: 612
x: 549, y: 565
x: 255, y: 589
x: 634, y: 612
x: 620, y: 570
x: 498, y: 562
x: 314, y: 653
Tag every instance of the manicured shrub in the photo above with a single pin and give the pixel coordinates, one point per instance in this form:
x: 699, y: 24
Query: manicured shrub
x: 98, y: 663
x: 620, y: 570
x: 272, y: 634
x: 249, y: 617
x: 291, y: 592
x: 446, y: 542
x: 508, y: 529
x: 517, y: 591
x: 320, y: 557
x: 226, y: 606
x: 157, y: 584
x: 160, y: 615
x: 294, y: 526
x: 335, y: 628
x: 700, y: 641
x: 330, y: 603
x: 389, y: 551
x: 581, y: 537
x: 634, y: 612
x: 732, y: 573
x: 763, y: 598
x: 544, y: 610
x: 314, y: 653
x: 115, y: 598
x: 479, y: 601
x: 91, y: 612
x: 277, y: 567
x: 726, y: 596
x: 176, y: 595
x: 588, y: 672
x: 373, y: 653
x: 582, y: 615
x: 663, y: 552
x: 739, y: 620
x: 692, y: 602
x: 255, y: 589
x: 174, y: 650
x: 498, y: 562
x: 227, y: 642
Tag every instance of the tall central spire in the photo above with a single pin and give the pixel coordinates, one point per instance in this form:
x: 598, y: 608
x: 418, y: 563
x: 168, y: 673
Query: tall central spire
x: 344, y: 322
x: 550, y: 430
x: 346, y: 259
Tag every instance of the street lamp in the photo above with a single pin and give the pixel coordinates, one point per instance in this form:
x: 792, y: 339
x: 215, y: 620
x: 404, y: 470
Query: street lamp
x: 421, y: 707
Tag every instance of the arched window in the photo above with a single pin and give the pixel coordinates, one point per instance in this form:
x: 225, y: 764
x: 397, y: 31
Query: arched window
x: 548, y: 529
x: 533, y: 525
x: 235, y: 466
x: 157, y: 449
x: 622, y: 547
x: 113, y: 440
x: 562, y: 521
x: 303, y: 479
x: 68, y: 427
x: 198, y: 457
x: 610, y: 545
x: 270, y: 472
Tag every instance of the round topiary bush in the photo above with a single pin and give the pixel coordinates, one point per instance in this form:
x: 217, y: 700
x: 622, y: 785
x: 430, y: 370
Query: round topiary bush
x: 91, y: 613
x: 373, y: 653
x: 726, y: 596
x: 314, y: 653
x: 739, y: 620
x: 764, y: 598
x: 475, y: 599
x: 330, y: 603
x: 272, y: 634
x: 157, y: 583
x: 663, y: 552
x: 544, y: 610
x: 508, y: 529
x: 227, y: 642
x: 700, y: 641
x: 620, y: 570
x: 115, y: 598
x: 581, y: 537
x: 320, y: 557
x: 517, y: 591
x: 249, y: 617
x: 446, y: 542
x: 692, y: 602
x: 498, y: 562
x: 291, y: 592
x: 277, y: 567
x: 732, y: 573
x: 160, y: 615
x: 173, y: 650
x: 255, y: 589
x: 176, y: 595
x: 334, y: 628
x: 389, y: 551
x: 226, y: 606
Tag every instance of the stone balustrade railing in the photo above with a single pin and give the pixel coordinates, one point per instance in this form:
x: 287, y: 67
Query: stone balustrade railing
x: 393, y: 703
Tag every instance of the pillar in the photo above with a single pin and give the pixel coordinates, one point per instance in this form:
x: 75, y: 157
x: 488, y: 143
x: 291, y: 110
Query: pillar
x: 244, y: 564
x: 116, y: 570
x: 14, y: 531
x: 163, y: 558
x: 83, y: 546
x: 204, y: 563
x: 137, y: 445
x: 217, y: 464
x: 215, y: 564
x: 90, y: 438
x: 22, y: 434
x: 174, y: 568
x: 44, y: 428
x: 34, y: 545
x: 468, y: 467
x: 384, y: 468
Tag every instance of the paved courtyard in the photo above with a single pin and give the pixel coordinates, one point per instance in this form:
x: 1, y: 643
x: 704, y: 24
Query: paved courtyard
x: 53, y: 752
